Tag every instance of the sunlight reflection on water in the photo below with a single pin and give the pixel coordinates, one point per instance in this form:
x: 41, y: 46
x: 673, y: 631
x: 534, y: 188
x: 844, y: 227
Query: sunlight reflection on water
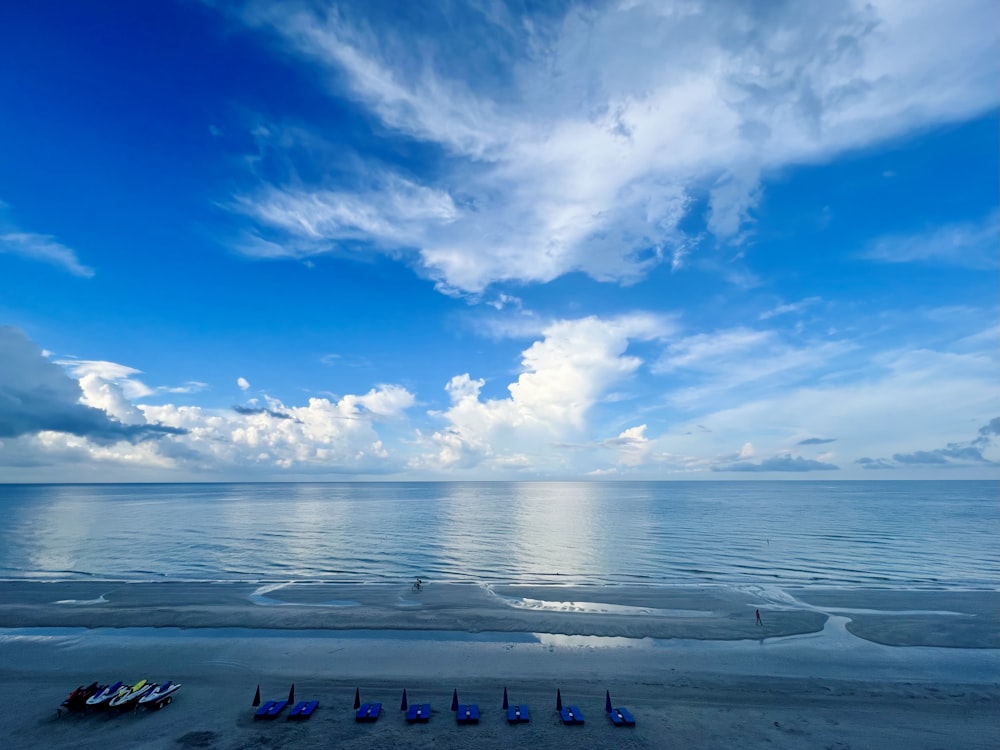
x: 849, y: 534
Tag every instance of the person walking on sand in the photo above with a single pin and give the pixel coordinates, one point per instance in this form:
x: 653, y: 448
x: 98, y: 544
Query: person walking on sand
x: 759, y: 621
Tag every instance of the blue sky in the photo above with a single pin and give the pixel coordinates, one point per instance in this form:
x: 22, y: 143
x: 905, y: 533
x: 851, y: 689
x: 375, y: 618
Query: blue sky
x: 488, y: 240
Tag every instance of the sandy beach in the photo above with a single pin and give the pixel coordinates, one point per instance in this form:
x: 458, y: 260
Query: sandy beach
x: 838, y: 669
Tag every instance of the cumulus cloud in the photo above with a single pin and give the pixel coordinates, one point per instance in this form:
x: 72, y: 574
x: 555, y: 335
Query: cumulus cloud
x: 36, y: 395
x: 564, y: 374
x: 242, y: 383
x: 322, y: 436
x: 100, y: 419
x: 559, y: 147
x: 632, y: 446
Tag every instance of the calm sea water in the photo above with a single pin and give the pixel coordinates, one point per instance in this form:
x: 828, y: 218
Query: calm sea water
x: 855, y: 534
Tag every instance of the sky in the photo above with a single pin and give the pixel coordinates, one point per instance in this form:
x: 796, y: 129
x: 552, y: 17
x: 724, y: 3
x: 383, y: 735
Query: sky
x: 488, y: 240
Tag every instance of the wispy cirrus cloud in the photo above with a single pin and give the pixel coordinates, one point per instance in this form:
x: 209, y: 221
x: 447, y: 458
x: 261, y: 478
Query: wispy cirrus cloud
x: 969, y: 245
x: 791, y: 307
x: 395, y: 216
x: 561, y: 148
x: 41, y: 247
x: 718, y: 366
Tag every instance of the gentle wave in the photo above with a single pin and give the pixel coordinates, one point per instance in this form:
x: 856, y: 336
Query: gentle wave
x: 930, y: 535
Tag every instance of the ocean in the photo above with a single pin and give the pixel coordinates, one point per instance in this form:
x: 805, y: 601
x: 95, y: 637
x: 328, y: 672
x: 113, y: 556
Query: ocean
x: 869, y: 534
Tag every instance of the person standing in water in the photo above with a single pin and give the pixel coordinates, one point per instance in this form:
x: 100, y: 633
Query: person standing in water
x: 759, y: 621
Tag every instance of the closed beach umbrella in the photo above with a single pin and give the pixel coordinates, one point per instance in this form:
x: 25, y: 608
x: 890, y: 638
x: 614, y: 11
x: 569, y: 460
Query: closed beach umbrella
x: 291, y: 694
x: 454, y: 700
x: 558, y: 700
x: 357, y: 698
x: 607, y: 701
x: 506, y: 703
x: 402, y: 705
x: 256, y: 697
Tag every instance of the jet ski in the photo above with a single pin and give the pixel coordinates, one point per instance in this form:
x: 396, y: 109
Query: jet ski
x: 124, y: 698
x: 78, y: 699
x: 105, y: 693
x: 160, y: 695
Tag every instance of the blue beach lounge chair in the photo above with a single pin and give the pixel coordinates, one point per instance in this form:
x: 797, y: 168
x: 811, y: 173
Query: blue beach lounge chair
x: 518, y: 714
x: 270, y: 709
x: 571, y: 715
x: 368, y: 712
x: 303, y: 709
x: 621, y: 717
x: 419, y: 712
x: 467, y: 714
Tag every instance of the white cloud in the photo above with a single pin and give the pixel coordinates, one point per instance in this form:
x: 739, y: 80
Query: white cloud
x: 711, y: 369
x: 50, y: 419
x: 191, y: 386
x: 705, y: 350
x: 242, y: 383
x: 44, y: 248
x: 40, y: 247
x: 970, y: 245
x: 909, y: 409
x: 321, y: 436
x: 632, y: 446
x: 37, y: 396
x: 791, y: 307
x: 114, y: 388
x: 581, y: 143
x: 395, y: 215
x: 909, y: 401
x: 564, y: 375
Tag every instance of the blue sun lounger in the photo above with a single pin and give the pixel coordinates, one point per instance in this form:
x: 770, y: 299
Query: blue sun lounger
x: 303, y: 709
x: 419, y: 712
x: 368, y: 712
x: 621, y: 717
x: 467, y: 714
x: 571, y: 715
x: 518, y: 714
x: 270, y: 709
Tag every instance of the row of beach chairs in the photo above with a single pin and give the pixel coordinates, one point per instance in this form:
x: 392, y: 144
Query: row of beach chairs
x: 465, y: 713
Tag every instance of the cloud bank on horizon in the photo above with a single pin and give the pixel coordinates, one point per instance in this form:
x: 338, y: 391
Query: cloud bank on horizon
x: 627, y: 240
